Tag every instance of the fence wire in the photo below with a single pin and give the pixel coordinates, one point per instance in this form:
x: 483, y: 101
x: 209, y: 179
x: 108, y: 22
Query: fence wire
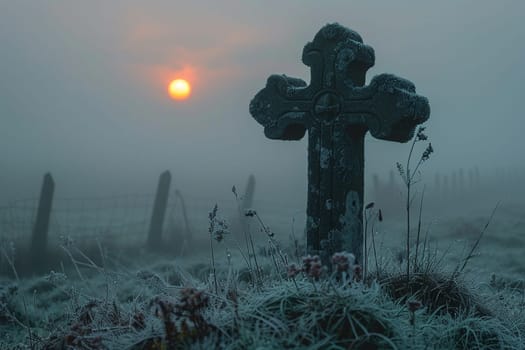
x: 128, y: 216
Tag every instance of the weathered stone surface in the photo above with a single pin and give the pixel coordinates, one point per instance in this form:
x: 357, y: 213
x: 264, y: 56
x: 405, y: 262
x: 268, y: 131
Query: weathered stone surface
x: 337, y: 110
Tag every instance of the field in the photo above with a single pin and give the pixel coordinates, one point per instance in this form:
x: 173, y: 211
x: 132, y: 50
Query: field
x: 115, y: 294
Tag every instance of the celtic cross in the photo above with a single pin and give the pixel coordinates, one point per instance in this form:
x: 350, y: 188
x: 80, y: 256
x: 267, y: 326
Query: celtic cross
x: 337, y: 110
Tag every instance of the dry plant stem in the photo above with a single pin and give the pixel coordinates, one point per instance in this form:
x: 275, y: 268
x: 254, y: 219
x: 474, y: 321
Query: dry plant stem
x: 408, y: 184
x: 273, y: 245
x: 374, y: 248
x: 75, y: 263
x: 295, y: 283
x: 425, y: 242
x: 247, y: 262
x: 184, y: 215
x: 275, y: 248
x: 11, y: 264
x: 419, y: 229
x: 469, y: 256
x: 102, y: 255
x: 296, y: 246
x: 257, y: 269
x: 213, y: 267
x: 244, y: 229
x: 365, y: 254
x: 249, y: 242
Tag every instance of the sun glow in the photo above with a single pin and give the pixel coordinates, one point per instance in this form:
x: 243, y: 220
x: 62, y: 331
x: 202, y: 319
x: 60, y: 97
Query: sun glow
x: 179, y: 89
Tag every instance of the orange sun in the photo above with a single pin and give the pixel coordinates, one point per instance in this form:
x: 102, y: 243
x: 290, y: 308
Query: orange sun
x: 179, y: 89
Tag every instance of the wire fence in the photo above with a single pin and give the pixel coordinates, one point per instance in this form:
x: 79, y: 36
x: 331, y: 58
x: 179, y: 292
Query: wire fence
x: 128, y: 216
x: 80, y: 217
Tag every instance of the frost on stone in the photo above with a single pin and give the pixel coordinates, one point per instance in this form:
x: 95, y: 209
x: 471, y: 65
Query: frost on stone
x: 328, y: 78
x: 390, y: 83
x: 314, y: 189
x: 324, y: 158
x: 312, y: 222
x: 351, y: 222
x: 344, y: 57
x: 262, y: 106
x: 289, y: 126
x: 397, y: 108
x: 349, y: 51
x: 335, y: 101
x: 336, y: 31
x: 285, y: 85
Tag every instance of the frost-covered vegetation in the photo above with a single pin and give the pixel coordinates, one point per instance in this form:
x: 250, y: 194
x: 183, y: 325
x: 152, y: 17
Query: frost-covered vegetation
x: 279, y: 299
x: 232, y: 291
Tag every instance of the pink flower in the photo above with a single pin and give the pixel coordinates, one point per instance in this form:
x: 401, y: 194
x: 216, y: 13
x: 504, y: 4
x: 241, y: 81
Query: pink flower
x: 358, y: 273
x: 312, y: 266
x: 293, y: 270
x: 343, y: 261
x: 414, y: 305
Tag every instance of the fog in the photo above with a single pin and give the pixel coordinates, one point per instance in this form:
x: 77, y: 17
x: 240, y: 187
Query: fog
x: 83, y: 90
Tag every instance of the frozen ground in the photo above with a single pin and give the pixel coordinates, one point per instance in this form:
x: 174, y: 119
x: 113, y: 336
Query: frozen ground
x: 48, y: 305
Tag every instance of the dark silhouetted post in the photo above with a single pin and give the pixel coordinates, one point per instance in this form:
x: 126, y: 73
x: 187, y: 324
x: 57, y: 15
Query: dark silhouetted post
x: 41, y: 228
x: 159, y: 210
x: 337, y: 110
x: 249, y: 193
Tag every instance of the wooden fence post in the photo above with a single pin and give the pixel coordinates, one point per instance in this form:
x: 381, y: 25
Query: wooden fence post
x: 159, y: 211
x: 41, y: 227
x: 247, y: 201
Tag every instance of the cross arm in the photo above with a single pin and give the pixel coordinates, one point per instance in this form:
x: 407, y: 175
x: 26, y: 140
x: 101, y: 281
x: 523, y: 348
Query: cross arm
x: 390, y: 107
x: 282, y: 107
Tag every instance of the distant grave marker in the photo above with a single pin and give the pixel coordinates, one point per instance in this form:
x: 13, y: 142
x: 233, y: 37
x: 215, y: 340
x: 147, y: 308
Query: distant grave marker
x: 337, y: 110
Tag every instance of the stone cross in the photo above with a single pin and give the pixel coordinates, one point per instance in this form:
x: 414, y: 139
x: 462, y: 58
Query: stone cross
x: 337, y: 110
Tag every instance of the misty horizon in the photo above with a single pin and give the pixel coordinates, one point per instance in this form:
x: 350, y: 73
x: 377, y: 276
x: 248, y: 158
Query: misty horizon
x: 84, y: 91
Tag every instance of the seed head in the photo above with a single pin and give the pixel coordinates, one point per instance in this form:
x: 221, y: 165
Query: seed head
x: 420, y: 135
x: 400, y: 169
x: 427, y: 152
x: 250, y: 213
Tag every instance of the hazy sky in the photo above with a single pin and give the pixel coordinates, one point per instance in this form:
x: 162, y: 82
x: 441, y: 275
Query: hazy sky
x: 83, y: 88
